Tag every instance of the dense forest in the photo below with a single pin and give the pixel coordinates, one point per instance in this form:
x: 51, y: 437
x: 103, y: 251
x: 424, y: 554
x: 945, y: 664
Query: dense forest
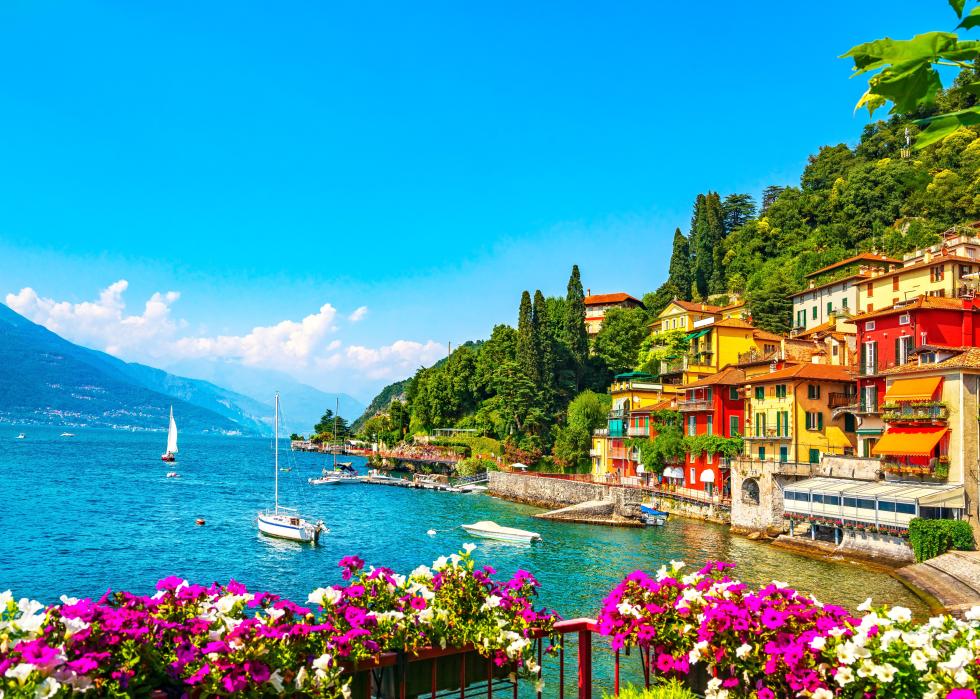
x: 521, y: 384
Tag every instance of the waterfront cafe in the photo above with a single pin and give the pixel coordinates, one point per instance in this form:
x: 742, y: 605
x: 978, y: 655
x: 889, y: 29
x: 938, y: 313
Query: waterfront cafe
x: 883, y: 506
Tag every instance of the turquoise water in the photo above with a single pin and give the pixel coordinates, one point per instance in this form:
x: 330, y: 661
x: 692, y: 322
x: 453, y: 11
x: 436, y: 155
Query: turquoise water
x: 96, y: 511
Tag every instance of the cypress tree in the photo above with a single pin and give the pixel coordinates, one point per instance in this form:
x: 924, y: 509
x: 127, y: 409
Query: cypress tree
x: 707, y: 253
x: 716, y: 232
x: 544, y: 344
x: 679, y: 273
x: 527, y: 356
x: 575, y: 336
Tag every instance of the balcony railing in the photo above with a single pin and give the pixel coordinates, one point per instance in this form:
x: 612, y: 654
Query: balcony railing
x: 642, y: 431
x: 616, y: 413
x: 915, y: 413
x: 618, y: 453
x: 601, y: 432
x: 753, y: 468
x: 837, y: 400
x: 692, y: 405
x: 673, y: 366
x: 769, y: 433
x: 700, y: 358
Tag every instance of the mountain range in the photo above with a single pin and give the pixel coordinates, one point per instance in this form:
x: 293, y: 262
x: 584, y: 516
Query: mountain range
x: 47, y: 379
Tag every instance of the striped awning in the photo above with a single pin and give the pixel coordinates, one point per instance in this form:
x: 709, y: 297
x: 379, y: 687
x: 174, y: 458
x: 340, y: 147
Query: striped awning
x: 922, y: 388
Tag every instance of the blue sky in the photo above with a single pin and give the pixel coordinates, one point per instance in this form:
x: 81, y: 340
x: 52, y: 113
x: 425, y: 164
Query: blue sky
x: 424, y: 161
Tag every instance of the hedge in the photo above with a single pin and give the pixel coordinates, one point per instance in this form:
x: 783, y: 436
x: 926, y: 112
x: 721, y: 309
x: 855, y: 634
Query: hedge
x: 933, y: 537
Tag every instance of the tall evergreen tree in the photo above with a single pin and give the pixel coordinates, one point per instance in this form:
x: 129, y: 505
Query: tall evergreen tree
x: 527, y: 355
x: 545, y: 349
x: 575, y: 337
x: 716, y: 228
x: 679, y: 272
x: 738, y: 210
x: 769, y: 195
x: 707, y: 253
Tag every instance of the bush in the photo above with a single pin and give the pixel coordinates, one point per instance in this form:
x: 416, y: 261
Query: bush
x: 473, y: 466
x: 933, y: 537
x: 668, y: 689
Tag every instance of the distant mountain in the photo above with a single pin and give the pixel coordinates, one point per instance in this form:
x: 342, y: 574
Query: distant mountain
x: 302, y: 406
x: 46, y: 379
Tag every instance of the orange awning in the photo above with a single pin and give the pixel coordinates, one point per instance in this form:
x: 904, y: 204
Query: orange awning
x: 913, y: 389
x: 914, y: 441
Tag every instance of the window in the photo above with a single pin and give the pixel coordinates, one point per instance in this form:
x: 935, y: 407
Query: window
x: 843, y: 303
x: 869, y: 288
x: 850, y: 423
x: 813, y: 313
x: 692, y: 477
x: 830, y: 307
x: 833, y: 349
x: 869, y: 357
x: 817, y: 498
x: 710, y: 458
x: 905, y: 508
x: 732, y: 425
x: 780, y: 390
x: 710, y: 426
x: 760, y: 392
x: 895, y: 283
x: 691, y: 458
x: 903, y: 349
x: 732, y: 393
x: 691, y: 425
x: 708, y: 393
x: 831, y: 500
x: 814, y: 456
x: 904, y: 319
x: 937, y: 273
x: 813, y: 391
x: 762, y: 453
x: 801, y: 318
x: 779, y: 423
x: 785, y: 423
x: 865, y: 504
x: 886, y: 506
x: 760, y: 425
x: 869, y: 326
x: 783, y: 454
x: 814, y: 421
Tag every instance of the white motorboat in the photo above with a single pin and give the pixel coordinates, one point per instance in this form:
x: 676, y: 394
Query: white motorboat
x: 378, y: 476
x: 335, y: 478
x: 67, y: 434
x: 173, y: 474
x: 285, y: 522
x: 171, y: 454
x: 652, y: 515
x: 492, y: 530
x: 472, y: 489
x: 21, y: 436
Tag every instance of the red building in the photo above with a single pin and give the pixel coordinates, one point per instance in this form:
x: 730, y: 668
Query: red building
x: 888, y: 338
x: 712, y: 406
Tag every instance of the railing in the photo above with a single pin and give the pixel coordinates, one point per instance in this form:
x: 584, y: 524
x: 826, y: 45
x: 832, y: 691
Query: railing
x: 915, y: 413
x: 601, y: 432
x: 757, y: 356
x: 617, y: 413
x: 838, y: 400
x: 769, y: 433
x: 691, y: 405
x: 673, y: 366
x: 700, y: 358
x: 595, y: 452
x: 634, y: 431
x: 672, y: 491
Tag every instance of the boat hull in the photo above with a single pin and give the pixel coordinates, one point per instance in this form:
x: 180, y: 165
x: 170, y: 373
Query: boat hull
x: 502, y: 536
x: 284, y: 528
x: 169, y: 458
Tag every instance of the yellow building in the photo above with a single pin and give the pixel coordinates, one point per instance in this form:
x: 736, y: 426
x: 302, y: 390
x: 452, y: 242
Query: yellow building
x: 682, y: 315
x: 789, y: 414
x: 716, y: 343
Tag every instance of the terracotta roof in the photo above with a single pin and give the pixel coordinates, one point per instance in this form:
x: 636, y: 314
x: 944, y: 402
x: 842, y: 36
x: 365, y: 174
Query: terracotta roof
x: 733, y: 323
x: 761, y: 334
x: 863, y: 257
x: 691, y: 306
x: 967, y: 358
x: 729, y: 376
x: 938, y: 259
x: 737, y: 304
x: 920, y: 302
x: 817, y: 372
x: 863, y: 276
x: 617, y: 297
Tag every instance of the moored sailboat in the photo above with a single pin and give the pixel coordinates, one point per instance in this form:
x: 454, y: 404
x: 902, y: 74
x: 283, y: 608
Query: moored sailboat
x: 171, y: 453
x: 285, y: 522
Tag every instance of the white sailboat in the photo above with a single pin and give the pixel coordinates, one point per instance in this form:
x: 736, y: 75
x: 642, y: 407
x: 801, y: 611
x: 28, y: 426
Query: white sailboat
x: 285, y: 522
x: 171, y: 453
x: 343, y: 471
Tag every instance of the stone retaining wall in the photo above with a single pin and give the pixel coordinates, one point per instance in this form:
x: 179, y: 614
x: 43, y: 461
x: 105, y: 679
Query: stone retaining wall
x: 560, y: 492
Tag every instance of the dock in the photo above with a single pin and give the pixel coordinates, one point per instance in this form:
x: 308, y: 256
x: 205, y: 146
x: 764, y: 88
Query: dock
x: 469, y: 484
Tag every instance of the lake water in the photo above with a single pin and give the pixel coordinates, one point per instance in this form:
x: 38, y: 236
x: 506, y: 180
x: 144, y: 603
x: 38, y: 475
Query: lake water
x: 96, y: 511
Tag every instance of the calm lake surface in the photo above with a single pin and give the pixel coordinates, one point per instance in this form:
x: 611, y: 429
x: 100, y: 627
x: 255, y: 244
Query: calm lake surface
x: 96, y: 511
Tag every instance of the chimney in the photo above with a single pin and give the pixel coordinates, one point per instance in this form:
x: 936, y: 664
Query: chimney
x: 588, y: 292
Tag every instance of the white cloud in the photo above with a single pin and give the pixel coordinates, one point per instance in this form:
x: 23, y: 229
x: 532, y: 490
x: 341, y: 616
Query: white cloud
x: 306, y: 348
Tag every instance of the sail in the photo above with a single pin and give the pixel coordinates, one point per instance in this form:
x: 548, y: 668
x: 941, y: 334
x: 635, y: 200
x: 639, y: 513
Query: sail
x: 172, y: 435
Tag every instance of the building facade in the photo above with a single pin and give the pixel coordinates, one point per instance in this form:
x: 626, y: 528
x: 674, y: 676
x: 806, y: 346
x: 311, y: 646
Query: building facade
x: 712, y: 407
x: 834, y: 289
x: 597, y: 306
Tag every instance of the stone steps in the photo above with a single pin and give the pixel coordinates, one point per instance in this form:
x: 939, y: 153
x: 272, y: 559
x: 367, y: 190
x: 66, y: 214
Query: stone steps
x: 965, y: 569
x: 953, y: 579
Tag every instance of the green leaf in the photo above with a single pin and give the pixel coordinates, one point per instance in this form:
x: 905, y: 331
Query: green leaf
x: 958, y: 6
x: 941, y: 126
x: 882, y: 52
x: 971, y: 20
x: 908, y: 85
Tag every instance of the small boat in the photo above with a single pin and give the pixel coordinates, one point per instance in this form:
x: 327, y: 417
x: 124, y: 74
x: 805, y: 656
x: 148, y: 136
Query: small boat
x: 285, y: 522
x: 21, y: 436
x: 173, y: 474
x: 287, y: 469
x: 171, y: 454
x: 335, y: 477
x: 67, y: 434
x: 653, y: 516
x: 378, y: 476
x: 492, y: 530
x: 472, y: 488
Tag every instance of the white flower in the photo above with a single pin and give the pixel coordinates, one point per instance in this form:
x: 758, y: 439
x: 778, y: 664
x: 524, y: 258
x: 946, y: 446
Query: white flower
x: 421, y: 572
x: 885, y: 672
x: 6, y: 597
x: 695, y: 655
x: 845, y: 654
x: 440, y: 563
x: 919, y: 660
x: 960, y: 657
x: 322, y: 664
x: 821, y: 693
x: 325, y: 596
x: 900, y: 614
x: 225, y: 604
x: 48, y: 688
x: 301, y: 676
x: 972, y: 614
x: 469, y: 548
x: 65, y: 600
x: 73, y: 626
x: 492, y: 601
x: 844, y: 675
x: 818, y: 643
x: 275, y: 679
x: 532, y: 666
x: 865, y: 605
x: 539, y: 686
x: 19, y: 672
x: 743, y: 650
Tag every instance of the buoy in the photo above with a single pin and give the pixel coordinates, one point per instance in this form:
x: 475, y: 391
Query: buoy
x: 199, y: 521
x: 431, y: 532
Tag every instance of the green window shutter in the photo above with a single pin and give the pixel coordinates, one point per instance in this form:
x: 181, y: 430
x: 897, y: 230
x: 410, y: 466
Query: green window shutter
x: 762, y: 453
x: 786, y: 423
x: 779, y: 424
x: 814, y: 456
x: 760, y: 392
x: 733, y: 393
x: 732, y: 425
x: 819, y: 421
x: 783, y: 454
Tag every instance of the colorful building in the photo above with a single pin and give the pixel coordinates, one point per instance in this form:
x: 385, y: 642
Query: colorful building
x: 789, y: 414
x: 712, y: 406
x: 683, y: 315
x: 834, y: 289
x: 890, y: 337
x: 597, y: 306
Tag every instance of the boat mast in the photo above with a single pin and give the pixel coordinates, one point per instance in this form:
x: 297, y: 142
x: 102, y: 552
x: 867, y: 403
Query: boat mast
x: 277, y: 452
x: 336, y: 444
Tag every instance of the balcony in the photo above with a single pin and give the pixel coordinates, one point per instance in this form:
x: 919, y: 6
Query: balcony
x: 755, y: 355
x: 634, y: 431
x: 617, y: 413
x: 915, y: 413
x: 700, y: 359
x: 839, y: 400
x: 601, y: 432
x: 673, y: 366
x: 620, y: 453
x: 770, y: 433
x: 595, y: 452
x: 693, y: 405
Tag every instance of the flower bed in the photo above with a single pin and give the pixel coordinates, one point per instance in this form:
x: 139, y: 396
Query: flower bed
x: 224, y: 640
x: 776, y: 642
